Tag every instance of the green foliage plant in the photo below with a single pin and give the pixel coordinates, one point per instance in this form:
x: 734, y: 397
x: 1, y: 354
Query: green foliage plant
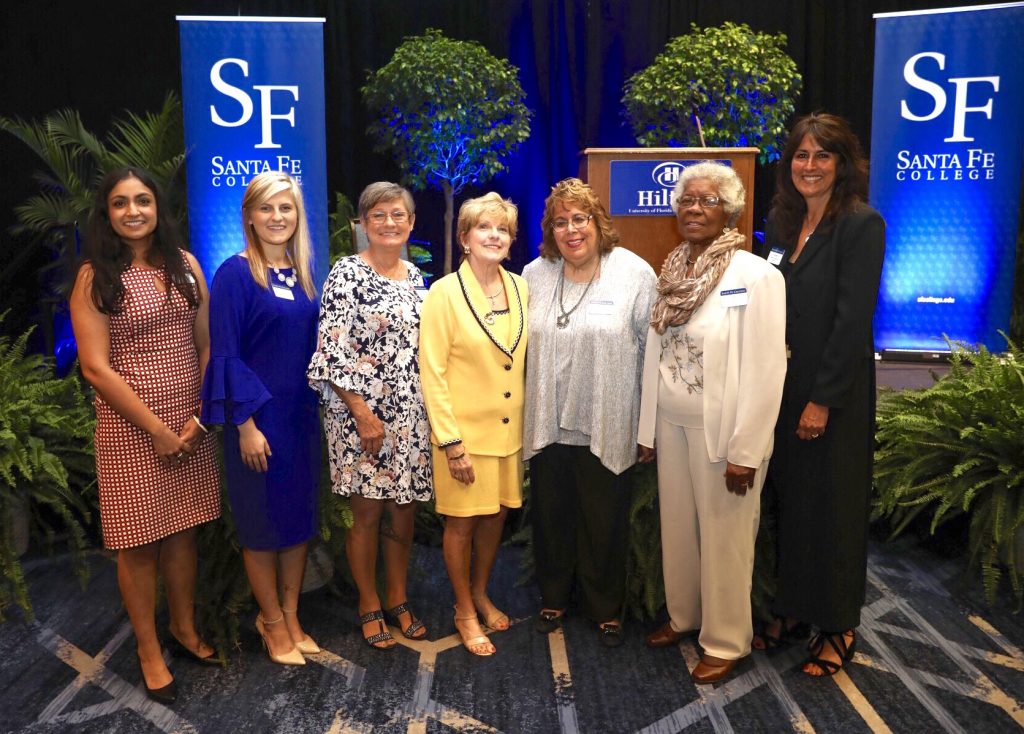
x: 739, y: 84
x: 73, y: 162
x: 46, y: 464
x: 957, y: 448
x: 450, y: 114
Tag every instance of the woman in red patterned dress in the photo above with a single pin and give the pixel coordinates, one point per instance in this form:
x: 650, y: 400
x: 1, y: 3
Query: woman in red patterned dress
x: 140, y: 314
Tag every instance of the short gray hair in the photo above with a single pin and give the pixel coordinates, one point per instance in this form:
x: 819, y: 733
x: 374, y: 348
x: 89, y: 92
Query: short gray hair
x: 730, y: 188
x: 380, y: 191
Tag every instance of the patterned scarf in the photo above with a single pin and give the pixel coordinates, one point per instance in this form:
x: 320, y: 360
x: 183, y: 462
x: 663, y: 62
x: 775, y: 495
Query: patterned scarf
x: 679, y: 296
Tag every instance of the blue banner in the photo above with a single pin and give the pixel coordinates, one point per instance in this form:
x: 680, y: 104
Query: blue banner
x: 644, y: 188
x: 253, y: 94
x: 946, y: 159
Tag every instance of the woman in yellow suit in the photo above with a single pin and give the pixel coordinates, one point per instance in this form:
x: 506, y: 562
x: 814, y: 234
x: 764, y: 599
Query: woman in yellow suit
x: 472, y: 365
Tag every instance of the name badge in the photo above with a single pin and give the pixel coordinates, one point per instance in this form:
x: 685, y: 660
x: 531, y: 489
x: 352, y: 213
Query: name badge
x: 775, y: 256
x: 190, y: 278
x: 734, y: 297
x: 601, y: 308
x: 285, y: 293
x: 421, y: 291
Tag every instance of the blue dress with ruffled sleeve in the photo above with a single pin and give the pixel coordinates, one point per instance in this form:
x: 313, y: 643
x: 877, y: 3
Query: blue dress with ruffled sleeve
x: 260, y: 344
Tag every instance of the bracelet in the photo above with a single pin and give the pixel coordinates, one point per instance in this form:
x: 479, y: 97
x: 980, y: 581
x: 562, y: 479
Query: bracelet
x: 204, y: 428
x: 456, y: 458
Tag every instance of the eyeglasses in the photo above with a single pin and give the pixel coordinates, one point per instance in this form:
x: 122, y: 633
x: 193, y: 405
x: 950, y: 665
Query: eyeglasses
x: 379, y: 217
x: 579, y: 221
x: 706, y: 202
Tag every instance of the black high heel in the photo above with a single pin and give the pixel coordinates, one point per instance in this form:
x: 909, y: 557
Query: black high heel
x: 179, y: 650
x: 165, y: 695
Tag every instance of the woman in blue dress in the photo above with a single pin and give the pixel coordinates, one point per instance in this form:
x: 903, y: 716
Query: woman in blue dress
x: 263, y: 320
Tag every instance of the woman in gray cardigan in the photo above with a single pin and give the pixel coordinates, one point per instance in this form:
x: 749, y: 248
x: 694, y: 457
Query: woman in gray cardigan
x: 590, y: 303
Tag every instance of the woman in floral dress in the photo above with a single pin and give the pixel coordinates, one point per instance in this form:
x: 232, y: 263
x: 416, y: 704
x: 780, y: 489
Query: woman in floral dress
x: 366, y: 371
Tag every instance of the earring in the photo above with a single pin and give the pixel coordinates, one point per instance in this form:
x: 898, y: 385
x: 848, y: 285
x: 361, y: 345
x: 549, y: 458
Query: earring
x: 465, y: 250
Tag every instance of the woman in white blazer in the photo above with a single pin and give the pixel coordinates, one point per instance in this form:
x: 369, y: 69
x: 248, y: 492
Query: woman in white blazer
x: 714, y: 367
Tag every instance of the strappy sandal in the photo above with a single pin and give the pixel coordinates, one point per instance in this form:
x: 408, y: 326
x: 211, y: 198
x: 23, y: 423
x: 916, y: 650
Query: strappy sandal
x: 475, y: 642
x: 787, y: 635
x: 414, y: 626
x: 497, y: 621
x: 838, y: 644
x: 380, y: 640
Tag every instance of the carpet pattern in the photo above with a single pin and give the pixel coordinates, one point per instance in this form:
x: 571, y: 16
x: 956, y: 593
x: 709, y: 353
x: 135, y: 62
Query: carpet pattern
x: 930, y: 658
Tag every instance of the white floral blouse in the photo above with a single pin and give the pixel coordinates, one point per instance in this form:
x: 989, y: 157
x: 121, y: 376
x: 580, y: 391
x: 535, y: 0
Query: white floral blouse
x: 368, y: 344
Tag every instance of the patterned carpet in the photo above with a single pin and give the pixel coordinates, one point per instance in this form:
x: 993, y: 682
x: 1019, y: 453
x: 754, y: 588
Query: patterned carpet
x: 930, y: 659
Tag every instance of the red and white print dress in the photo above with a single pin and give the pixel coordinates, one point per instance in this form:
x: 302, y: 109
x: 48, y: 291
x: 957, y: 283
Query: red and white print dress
x: 152, y: 348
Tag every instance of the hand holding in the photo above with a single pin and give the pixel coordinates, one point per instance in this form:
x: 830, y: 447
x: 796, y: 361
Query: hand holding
x: 646, y: 454
x: 738, y: 479
x: 812, y: 421
x: 169, y: 446
x: 192, y: 435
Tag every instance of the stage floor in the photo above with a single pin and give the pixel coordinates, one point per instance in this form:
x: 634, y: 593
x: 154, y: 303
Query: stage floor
x: 930, y: 658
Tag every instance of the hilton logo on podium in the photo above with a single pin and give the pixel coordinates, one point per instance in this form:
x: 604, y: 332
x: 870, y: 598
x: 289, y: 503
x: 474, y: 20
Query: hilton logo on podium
x: 644, y: 188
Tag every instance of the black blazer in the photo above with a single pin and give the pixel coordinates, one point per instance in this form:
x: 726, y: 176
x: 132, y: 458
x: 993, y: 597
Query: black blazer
x: 831, y: 292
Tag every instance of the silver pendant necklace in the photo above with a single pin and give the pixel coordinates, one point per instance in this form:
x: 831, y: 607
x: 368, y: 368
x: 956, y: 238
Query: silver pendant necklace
x: 562, y: 321
x: 489, y: 316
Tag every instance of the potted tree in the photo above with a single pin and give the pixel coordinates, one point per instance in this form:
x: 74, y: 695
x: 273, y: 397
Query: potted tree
x: 725, y: 86
x: 449, y: 112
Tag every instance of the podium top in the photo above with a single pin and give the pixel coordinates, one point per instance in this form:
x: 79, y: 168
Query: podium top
x: 708, y: 152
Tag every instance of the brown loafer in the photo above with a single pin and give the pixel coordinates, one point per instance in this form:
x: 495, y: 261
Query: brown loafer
x: 665, y: 636
x: 712, y: 670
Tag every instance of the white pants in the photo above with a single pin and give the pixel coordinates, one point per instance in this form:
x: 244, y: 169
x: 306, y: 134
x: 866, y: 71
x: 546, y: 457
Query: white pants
x: 707, y: 542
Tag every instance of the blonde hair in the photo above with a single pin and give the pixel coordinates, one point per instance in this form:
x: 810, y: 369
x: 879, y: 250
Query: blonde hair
x: 262, y: 188
x: 574, y: 191
x: 473, y: 210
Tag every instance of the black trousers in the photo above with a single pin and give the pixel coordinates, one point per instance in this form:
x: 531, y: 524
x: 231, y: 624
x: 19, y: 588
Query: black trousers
x: 580, y: 518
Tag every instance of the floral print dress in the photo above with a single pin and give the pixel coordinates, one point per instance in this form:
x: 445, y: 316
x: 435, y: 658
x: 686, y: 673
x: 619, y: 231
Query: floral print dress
x: 368, y: 344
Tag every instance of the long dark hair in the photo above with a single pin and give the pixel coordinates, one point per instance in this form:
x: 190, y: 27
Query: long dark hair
x: 110, y: 257
x: 850, y: 190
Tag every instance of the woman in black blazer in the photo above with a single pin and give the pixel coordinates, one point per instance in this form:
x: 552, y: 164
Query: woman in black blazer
x: 829, y: 245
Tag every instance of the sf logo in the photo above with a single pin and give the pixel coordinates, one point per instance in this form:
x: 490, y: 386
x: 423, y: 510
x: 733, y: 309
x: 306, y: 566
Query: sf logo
x: 938, y: 95
x: 265, y: 92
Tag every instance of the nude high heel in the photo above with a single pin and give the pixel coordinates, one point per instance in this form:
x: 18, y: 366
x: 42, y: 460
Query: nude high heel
x: 306, y: 645
x: 292, y: 657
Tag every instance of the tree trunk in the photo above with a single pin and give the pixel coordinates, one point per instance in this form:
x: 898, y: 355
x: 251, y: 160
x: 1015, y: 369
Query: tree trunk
x: 449, y: 215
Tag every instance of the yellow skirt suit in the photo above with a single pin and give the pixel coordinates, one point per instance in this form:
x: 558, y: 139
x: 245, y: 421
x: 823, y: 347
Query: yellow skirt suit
x: 472, y: 366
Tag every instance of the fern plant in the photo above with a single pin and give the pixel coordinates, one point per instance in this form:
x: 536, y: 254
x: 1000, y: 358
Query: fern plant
x: 958, y: 448
x: 46, y: 463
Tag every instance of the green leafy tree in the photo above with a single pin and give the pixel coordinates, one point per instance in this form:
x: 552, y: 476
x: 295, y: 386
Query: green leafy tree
x: 718, y: 86
x: 449, y: 112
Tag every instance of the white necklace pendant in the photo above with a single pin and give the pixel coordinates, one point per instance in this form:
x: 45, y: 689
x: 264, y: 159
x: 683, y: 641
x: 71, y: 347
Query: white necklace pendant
x: 562, y: 321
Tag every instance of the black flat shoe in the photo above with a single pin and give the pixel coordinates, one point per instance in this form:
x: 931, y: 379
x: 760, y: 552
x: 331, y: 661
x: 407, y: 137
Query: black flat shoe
x: 610, y: 634
x: 179, y: 650
x: 548, y: 621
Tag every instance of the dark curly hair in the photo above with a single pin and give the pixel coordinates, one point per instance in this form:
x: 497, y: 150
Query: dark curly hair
x: 109, y: 256
x: 850, y: 190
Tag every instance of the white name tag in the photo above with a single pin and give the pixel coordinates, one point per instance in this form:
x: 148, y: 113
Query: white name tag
x: 601, y: 308
x: 734, y: 297
x: 421, y: 291
x: 775, y: 256
x: 190, y: 278
x: 285, y: 293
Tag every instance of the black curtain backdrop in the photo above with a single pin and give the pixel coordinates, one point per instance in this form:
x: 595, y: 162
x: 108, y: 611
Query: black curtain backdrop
x: 104, y: 57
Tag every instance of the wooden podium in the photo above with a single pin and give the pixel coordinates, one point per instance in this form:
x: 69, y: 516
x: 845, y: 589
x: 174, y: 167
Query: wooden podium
x: 654, y: 237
